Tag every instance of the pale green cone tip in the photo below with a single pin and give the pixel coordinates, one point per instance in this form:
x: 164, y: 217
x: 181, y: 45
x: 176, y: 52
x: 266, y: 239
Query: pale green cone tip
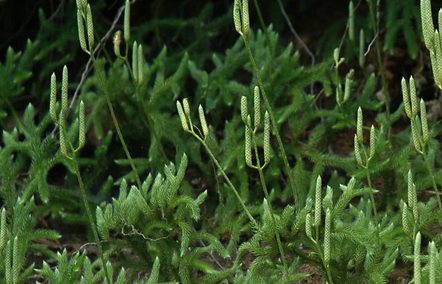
x: 140, y: 64
x: 127, y: 22
x: 64, y: 90
x: 357, y: 151
x: 351, y: 22
x: 90, y: 28
x: 53, y: 98
x: 248, y: 144
x: 244, y: 112
x: 257, y: 108
x: 182, y: 116
x: 427, y: 22
x: 135, y: 60
x: 413, y: 97
x: 186, y: 106
x: 117, y: 43
x: 359, y: 126
x: 405, y: 98
x: 432, y: 252
x: 81, y: 34
x: 82, y: 127
x: 266, y: 137
x: 415, y: 137
x: 405, y: 225
x: 245, y: 18
x: 203, y: 121
x: 424, y: 122
x: 318, y: 205
x: 237, y: 16
x: 327, y: 237
x: 372, y: 141
x: 417, y: 260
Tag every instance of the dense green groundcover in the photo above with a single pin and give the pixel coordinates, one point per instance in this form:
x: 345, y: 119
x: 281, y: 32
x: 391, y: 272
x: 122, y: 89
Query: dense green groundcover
x: 220, y: 142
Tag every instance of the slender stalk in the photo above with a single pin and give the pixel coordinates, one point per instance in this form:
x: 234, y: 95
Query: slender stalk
x: 381, y: 66
x: 263, y: 25
x: 101, y: 78
x: 433, y: 180
x: 142, y: 106
x: 326, y: 267
x: 273, y: 120
x: 371, y: 193
x: 89, y: 214
x: 254, y: 222
x: 267, y: 195
x: 427, y: 163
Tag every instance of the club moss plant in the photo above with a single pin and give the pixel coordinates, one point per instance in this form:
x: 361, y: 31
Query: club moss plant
x: 229, y: 209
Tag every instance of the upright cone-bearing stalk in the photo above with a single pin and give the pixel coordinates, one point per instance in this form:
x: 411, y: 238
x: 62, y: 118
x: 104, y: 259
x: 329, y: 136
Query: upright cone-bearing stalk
x: 241, y: 17
x: 15, y: 261
x: 244, y: 112
x: 81, y: 34
x: 237, y: 16
x: 140, y: 65
x: 417, y: 259
x: 182, y: 117
x: 358, y: 151
x: 424, y: 123
x: 432, y: 253
x: 351, y: 21
x: 348, y: 82
x: 432, y: 39
x: 81, y: 4
x: 412, y: 197
x: 127, y: 22
x: 2, y: 229
x: 327, y: 237
x: 415, y: 135
x: 405, y: 225
x: 359, y: 125
x: 64, y: 91
x: 203, y: 121
x: 318, y: 202
x: 82, y: 127
x: 372, y: 141
x: 53, y: 98
x: 427, y: 23
x: 8, y: 260
x: 257, y: 108
x: 63, y: 143
x: 405, y: 97
x: 410, y: 189
x: 135, y: 60
x: 251, y: 131
x: 248, y: 144
x: 266, y: 138
x: 90, y: 28
x: 186, y: 107
x: 117, y: 43
x: 61, y: 120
